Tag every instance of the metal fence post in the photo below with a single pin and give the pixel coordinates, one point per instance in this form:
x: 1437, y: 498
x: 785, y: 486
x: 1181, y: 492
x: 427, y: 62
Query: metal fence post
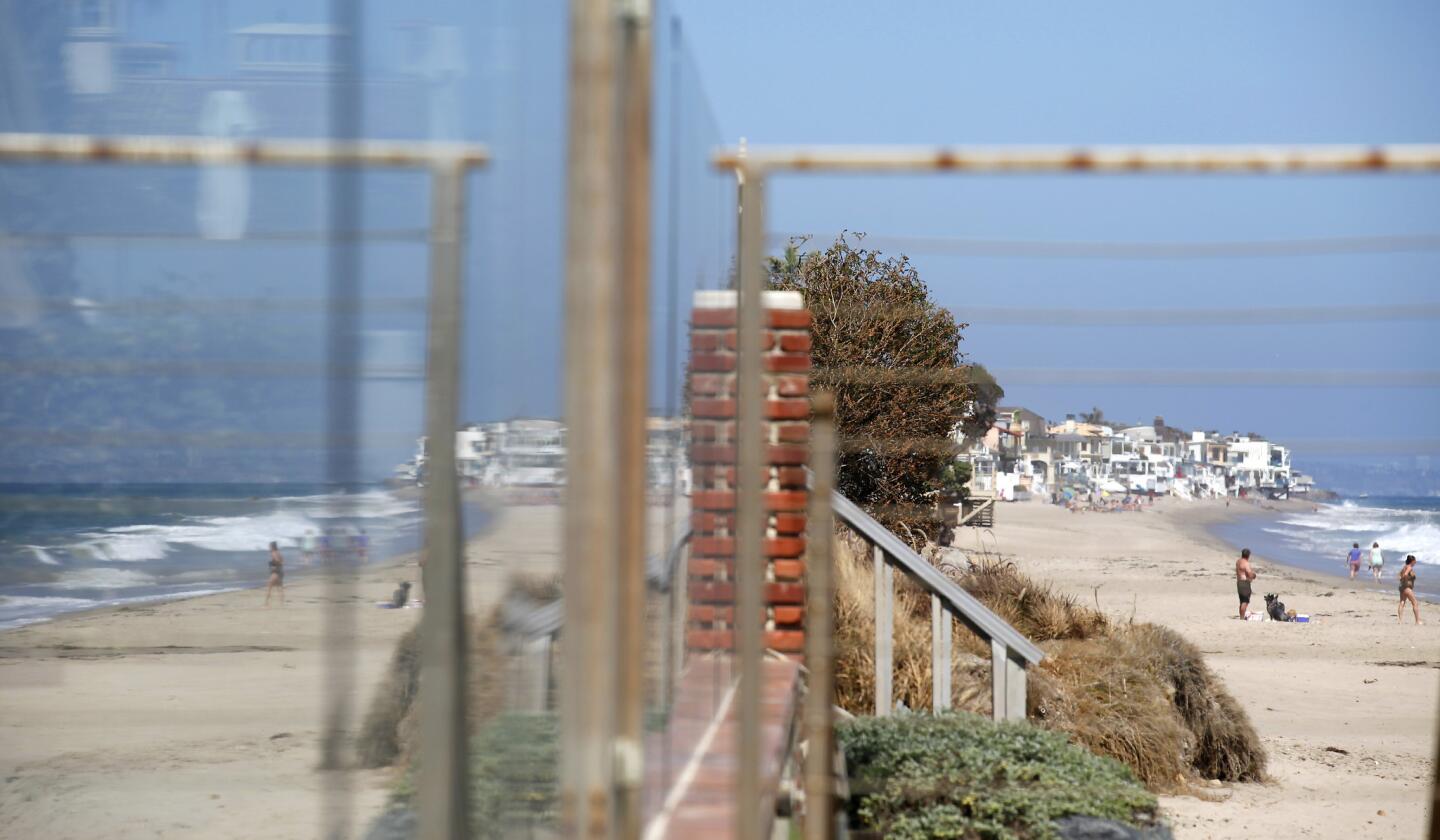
x: 587, y: 702
x: 750, y: 501
x: 442, y: 792
x: 820, y: 626
x: 634, y: 93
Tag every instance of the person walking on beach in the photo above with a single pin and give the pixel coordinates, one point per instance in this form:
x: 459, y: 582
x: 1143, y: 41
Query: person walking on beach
x: 277, y: 575
x: 1377, y: 562
x: 1244, y: 573
x: 1407, y: 590
x: 308, y: 544
x: 1354, y: 559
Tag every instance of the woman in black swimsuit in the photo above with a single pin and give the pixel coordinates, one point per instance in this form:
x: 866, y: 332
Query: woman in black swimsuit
x: 1407, y: 590
x: 277, y: 575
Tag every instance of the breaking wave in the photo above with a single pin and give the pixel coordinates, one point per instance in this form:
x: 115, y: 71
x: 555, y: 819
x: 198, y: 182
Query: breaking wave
x: 1334, y: 528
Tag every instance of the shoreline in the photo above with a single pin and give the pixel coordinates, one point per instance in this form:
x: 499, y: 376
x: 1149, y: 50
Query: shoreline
x: 399, y: 548
x: 1320, y: 572
x: 293, y: 577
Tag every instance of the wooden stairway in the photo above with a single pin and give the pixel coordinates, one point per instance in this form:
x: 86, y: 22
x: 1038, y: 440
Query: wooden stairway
x: 979, y: 512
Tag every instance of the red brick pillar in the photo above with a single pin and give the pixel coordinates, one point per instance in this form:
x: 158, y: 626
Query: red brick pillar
x: 713, y: 457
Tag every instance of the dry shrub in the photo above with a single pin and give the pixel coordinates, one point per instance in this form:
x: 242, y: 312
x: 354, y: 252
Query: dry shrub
x: 379, y: 742
x: 389, y: 731
x: 541, y: 589
x: 1137, y: 693
x: 855, y: 634
x: 1035, y: 609
x: 1226, y: 744
x: 1106, y: 698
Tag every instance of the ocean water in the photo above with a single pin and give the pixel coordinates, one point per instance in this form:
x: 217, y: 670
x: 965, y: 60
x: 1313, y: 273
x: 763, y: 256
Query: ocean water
x: 72, y: 547
x: 1319, y: 540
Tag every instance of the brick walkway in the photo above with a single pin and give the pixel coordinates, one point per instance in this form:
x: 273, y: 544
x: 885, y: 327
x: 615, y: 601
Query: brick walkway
x: 690, y: 768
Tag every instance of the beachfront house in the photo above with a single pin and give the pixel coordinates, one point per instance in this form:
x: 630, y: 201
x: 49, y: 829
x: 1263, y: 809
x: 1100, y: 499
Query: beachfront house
x: 1005, y: 462
x: 982, y: 454
x: 1259, y: 465
x: 665, y: 454
x: 473, y: 450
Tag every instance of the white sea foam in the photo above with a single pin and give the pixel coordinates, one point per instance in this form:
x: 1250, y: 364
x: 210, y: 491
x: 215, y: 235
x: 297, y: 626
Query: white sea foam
x: 1421, y: 539
x: 301, y: 514
x: 240, y: 533
x: 121, y: 546
x: 102, y: 577
x: 20, y: 610
x: 42, y: 555
x: 1333, y: 528
x: 12, y: 602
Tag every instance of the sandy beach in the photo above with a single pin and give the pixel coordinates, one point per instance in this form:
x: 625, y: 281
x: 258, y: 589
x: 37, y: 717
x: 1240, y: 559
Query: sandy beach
x: 202, y: 717
x: 1346, y: 704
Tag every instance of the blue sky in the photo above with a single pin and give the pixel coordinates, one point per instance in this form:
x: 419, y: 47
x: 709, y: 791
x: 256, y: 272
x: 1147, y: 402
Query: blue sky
x: 1274, y: 72
x: 786, y: 71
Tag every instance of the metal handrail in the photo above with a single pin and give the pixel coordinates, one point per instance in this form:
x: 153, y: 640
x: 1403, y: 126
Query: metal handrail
x: 1011, y: 653
x: 965, y: 606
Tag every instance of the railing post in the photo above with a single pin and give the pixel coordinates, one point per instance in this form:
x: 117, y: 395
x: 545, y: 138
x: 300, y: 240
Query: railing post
x: 820, y: 627
x: 749, y: 501
x: 940, y: 632
x: 884, y: 633
x: 999, y: 671
x: 1015, y: 675
x: 1007, y: 682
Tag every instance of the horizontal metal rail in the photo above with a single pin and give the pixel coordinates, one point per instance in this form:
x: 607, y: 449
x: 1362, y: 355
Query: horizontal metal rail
x: 205, y: 369
x: 1222, y: 378
x: 80, y: 148
x: 227, y: 307
x: 1205, y: 316
x: 259, y: 237
x: 1060, y: 249
x: 1118, y: 160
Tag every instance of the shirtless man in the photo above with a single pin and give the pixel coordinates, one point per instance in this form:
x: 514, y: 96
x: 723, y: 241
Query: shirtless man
x: 1244, y: 573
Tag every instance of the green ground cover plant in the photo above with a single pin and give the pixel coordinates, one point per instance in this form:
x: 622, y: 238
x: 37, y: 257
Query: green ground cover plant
x: 958, y: 775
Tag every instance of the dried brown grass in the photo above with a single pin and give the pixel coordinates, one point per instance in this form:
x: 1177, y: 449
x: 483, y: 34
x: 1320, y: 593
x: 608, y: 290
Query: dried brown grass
x: 855, y: 635
x: 379, y: 742
x: 1139, y: 693
x: 388, y: 733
